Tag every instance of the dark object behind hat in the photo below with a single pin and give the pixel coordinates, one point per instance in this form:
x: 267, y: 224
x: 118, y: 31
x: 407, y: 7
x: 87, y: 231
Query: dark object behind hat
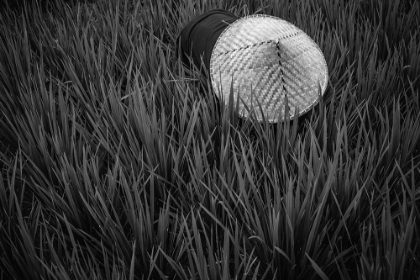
x: 201, y: 35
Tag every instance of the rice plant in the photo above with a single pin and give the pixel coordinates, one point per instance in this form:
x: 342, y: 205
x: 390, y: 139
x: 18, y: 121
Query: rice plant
x: 119, y: 162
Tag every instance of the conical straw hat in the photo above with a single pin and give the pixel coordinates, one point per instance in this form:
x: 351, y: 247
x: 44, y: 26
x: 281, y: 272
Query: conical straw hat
x: 266, y: 60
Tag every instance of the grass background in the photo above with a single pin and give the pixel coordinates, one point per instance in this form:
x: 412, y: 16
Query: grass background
x: 118, y: 163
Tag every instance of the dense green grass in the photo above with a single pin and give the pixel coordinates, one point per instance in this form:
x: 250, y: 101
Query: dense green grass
x: 118, y: 163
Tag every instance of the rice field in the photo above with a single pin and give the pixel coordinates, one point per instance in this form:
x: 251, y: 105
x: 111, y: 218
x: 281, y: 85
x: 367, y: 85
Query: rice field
x: 119, y: 162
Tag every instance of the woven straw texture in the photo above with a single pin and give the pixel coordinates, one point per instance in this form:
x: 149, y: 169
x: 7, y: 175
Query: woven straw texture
x: 267, y: 60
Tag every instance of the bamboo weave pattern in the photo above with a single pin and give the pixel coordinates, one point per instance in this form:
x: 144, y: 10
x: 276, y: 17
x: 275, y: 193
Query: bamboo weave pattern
x: 265, y: 59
